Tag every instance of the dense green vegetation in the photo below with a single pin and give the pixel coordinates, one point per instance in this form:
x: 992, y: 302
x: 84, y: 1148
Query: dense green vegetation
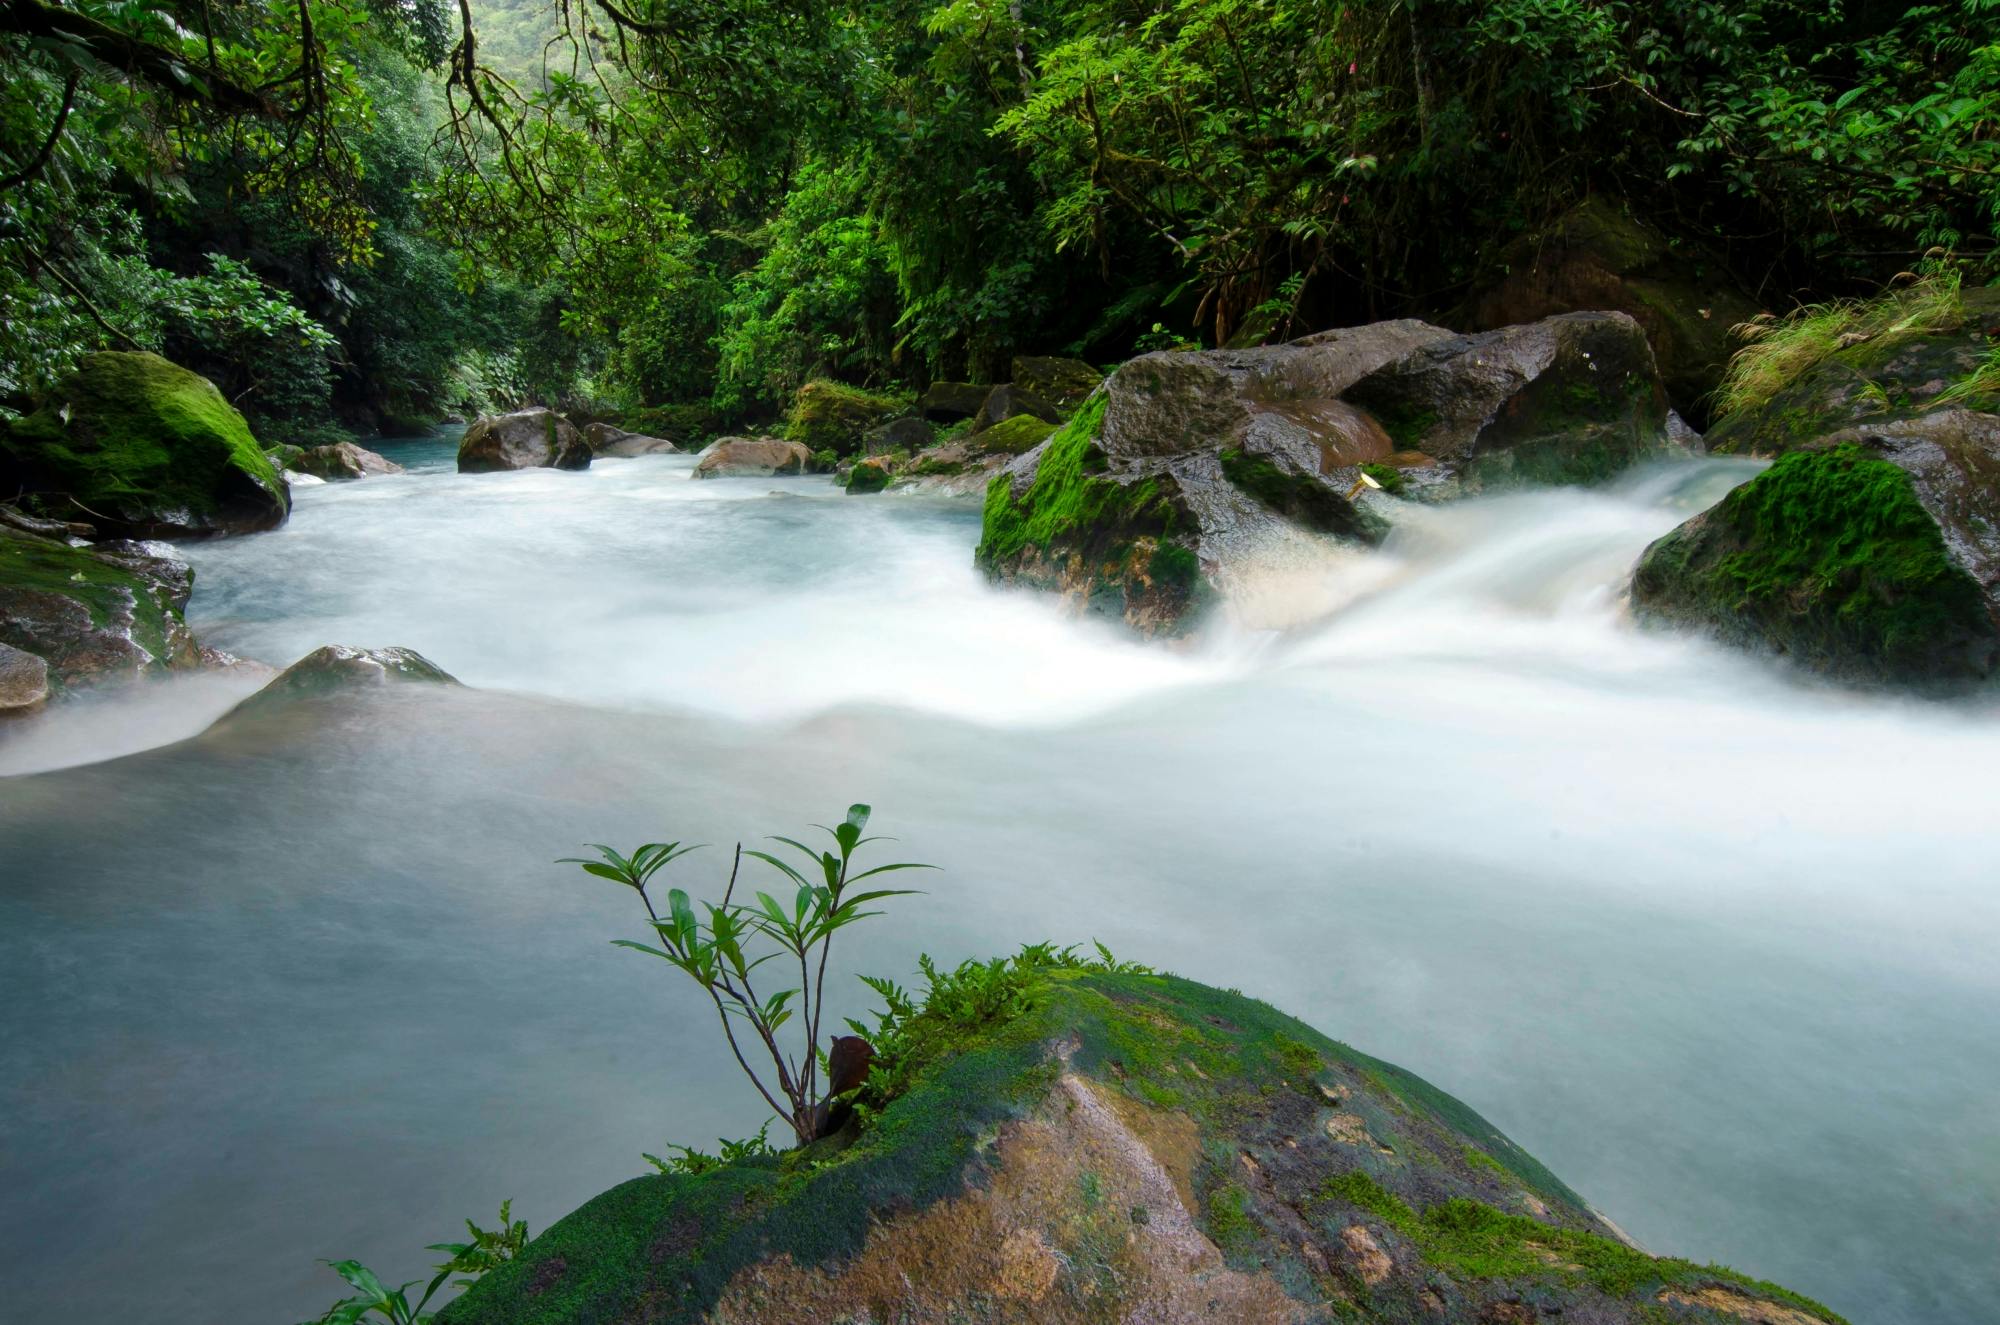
x: 371, y: 212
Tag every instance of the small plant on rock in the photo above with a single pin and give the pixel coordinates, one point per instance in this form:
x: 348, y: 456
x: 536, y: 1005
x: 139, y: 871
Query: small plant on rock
x: 714, y: 948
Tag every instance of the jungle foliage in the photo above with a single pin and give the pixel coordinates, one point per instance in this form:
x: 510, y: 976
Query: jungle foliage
x: 381, y: 209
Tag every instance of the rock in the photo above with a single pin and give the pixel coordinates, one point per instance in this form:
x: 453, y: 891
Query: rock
x: 339, y: 668
x: 1570, y: 399
x: 94, y: 614
x: 869, y: 475
x: 753, y: 457
x: 905, y: 434
x: 343, y: 460
x: 1006, y: 401
x: 282, y: 455
x: 605, y: 440
x: 835, y: 417
x: 1834, y: 560
x: 948, y: 402
x: 24, y: 682
x: 1062, y: 382
x: 144, y: 449
x: 60, y: 530
x: 533, y: 438
x: 1010, y: 437
x: 1597, y: 257
x: 1116, y: 1148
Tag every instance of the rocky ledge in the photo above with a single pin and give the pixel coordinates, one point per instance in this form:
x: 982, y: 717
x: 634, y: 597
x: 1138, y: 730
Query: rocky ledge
x: 1094, y: 1145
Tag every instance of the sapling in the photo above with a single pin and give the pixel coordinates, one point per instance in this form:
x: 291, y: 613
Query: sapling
x: 712, y: 947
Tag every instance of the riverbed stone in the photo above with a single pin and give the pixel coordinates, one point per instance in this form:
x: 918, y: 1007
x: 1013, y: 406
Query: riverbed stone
x: 141, y: 448
x: 948, y: 402
x: 908, y: 434
x: 1008, y: 401
x: 833, y: 416
x: 1062, y: 382
x: 605, y: 439
x: 336, y: 669
x: 753, y: 457
x: 1111, y: 1147
x: 343, y: 461
x: 535, y: 438
x: 95, y: 614
x: 24, y: 682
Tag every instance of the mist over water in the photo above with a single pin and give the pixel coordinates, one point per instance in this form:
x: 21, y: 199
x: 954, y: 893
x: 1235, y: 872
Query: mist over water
x: 1714, y: 945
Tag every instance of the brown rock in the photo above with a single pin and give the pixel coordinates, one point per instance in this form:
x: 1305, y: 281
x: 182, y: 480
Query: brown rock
x: 534, y: 438
x: 753, y: 457
x: 342, y: 460
x: 24, y: 682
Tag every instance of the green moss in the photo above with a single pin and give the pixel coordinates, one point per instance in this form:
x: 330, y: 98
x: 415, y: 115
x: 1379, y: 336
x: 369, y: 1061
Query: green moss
x: 835, y: 416
x: 1016, y: 436
x: 1229, y: 1225
x: 1390, y: 477
x: 825, y: 460
x: 1298, y: 497
x: 866, y: 478
x: 144, y: 436
x: 1830, y: 557
x: 101, y: 588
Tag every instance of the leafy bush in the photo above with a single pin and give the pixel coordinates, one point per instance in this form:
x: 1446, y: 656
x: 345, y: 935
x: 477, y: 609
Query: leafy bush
x: 488, y: 1249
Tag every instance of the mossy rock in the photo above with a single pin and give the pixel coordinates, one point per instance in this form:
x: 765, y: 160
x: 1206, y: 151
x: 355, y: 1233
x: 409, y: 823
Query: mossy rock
x: 1064, y: 383
x: 143, y: 448
x: 111, y: 612
x: 832, y: 416
x: 869, y: 476
x: 1016, y: 436
x: 339, y: 669
x: 1109, y: 1146
x: 1829, y: 559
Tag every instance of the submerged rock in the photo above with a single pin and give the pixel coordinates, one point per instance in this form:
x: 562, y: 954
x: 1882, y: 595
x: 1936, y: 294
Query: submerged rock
x: 94, y: 614
x: 1117, y: 1148
x: 753, y: 457
x: 525, y: 439
x: 338, y: 668
x: 142, y: 448
x: 605, y: 440
x: 24, y: 682
x: 342, y: 460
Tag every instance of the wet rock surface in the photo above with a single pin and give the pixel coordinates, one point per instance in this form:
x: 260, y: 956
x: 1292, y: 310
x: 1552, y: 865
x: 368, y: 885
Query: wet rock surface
x: 525, y: 439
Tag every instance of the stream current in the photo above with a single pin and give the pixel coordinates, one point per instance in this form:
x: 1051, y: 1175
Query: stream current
x: 1715, y: 945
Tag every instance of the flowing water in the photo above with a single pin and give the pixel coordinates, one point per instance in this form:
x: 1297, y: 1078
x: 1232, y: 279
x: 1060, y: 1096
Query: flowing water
x: 1716, y: 946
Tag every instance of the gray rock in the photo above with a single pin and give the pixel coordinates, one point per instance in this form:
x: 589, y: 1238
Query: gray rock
x: 1062, y: 382
x: 534, y: 438
x: 904, y: 434
x: 337, y: 669
x: 948, y: 402
x: 753, y: 457
x: 1006, y: 401
x: 24, y: 682
x: 342, y: 461
x: 606, y: 440
x: 95, y: 614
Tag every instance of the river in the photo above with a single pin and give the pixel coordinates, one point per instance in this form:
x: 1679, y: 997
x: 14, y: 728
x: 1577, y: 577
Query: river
x: 1716, y: 945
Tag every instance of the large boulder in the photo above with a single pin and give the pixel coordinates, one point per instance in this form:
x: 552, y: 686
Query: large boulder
x: 1190, y: 473
x: 1064, y: 383
x: 1084, y: 1147
x: 869, y: 475
x: 905, y: 434
x: 753, y: 457
x: 24, y: 682
x: 533, y: 438
x: 1008, y: 401
x: 606, y: 440
x: 948, y: 402
x: 93, y: 614
x: 1870, y: 552
x: 1830, y: 559
x: 342, y: 461
x: 832, y: 416
x: 1597, y: 256
x: 142, y: 448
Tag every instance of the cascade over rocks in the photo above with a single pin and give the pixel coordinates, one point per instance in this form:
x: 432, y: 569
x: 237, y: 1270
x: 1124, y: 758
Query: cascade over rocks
x: 95, y: 614
x: 342, y: 461
x: 1187, y: 471
x: 753, y: 457
x: 1115, y: 1148
x: 606, y: 440
x: 141, y: 448
x: 1870, y: 552
x: 534, y: 438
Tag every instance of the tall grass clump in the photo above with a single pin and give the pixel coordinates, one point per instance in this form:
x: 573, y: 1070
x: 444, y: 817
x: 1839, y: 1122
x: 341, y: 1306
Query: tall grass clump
x: 1779, y: 351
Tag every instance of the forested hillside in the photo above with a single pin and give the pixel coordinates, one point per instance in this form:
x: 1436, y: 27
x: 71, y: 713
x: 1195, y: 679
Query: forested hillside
x: 364, y: 214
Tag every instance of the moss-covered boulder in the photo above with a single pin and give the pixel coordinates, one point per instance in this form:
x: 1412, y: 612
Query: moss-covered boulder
x: 948, y: 402
x: 1064, y: 383
x: 1084, y: 1146
x: 1829, y: 559
x: 1008, y: 401
x: 338, y: 669
x: 870, y: 475
x: 1011, y: 437
x: 753, y: 457
x: 1598, y: 256
x: 832, y: 416
x: 535, y: 438
x: 142, y: 448
x: 1572, y: 399
x: 94, y: 614
x: 342, y: 462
